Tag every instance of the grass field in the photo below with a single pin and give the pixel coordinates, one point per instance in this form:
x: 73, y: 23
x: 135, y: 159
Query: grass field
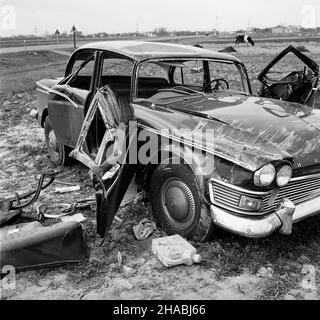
x: 232, y: 267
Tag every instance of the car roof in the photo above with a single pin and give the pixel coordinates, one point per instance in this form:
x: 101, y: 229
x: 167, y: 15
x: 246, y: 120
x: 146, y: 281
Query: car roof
x: 140, y: 50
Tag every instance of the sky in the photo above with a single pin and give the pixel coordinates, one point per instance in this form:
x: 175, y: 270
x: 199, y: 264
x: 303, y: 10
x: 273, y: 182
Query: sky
x: 113, y: 16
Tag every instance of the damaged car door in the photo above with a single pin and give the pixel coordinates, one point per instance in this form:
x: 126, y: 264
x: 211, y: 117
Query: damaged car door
x: 66, y: 106
x: 102, y: 146
x: 300, y: 85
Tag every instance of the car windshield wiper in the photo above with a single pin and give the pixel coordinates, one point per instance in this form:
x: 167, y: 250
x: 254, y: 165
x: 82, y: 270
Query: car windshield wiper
x: 183, y: 90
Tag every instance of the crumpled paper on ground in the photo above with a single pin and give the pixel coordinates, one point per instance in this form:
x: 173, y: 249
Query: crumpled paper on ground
x: 144, y: 229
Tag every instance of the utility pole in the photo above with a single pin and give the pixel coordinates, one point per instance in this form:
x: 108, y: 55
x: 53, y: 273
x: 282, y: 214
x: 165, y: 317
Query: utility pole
x: 74, y: 31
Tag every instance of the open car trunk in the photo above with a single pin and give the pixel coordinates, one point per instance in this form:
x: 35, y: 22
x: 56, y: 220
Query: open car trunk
x: 300, y: 85
x: 102, y: 146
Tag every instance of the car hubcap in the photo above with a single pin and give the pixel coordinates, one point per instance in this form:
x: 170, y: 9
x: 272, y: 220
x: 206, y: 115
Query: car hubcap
x: 178, y: 203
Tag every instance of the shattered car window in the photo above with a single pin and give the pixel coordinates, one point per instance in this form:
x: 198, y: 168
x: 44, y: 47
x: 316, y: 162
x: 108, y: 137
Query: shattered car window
x: 300, y: 83
x: 283, y: 69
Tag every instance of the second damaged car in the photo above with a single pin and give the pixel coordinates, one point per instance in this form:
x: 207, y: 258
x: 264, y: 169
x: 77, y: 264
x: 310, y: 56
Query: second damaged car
x: 183, y: 121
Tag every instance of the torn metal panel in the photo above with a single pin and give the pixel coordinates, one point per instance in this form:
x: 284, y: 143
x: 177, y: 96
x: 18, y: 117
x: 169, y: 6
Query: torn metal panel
x: 109, y: 195
x: 299, y: 86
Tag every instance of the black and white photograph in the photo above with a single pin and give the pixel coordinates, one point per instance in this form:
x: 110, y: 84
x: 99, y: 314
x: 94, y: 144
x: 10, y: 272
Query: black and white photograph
x: 162, y: 151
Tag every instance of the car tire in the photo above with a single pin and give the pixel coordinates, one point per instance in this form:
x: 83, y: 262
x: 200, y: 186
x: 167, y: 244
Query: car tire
x: 57, y: 151
x: 176, y: 203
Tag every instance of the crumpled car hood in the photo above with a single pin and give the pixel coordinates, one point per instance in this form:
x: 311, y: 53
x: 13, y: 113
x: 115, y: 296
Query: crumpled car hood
x: 270, y: 128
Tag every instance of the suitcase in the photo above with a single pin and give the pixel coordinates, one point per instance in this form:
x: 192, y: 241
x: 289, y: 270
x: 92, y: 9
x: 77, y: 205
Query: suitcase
x: 32, y: 245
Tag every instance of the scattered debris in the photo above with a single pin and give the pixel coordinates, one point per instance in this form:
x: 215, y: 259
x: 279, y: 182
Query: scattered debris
x: 64, y: 209
x: 308, y: 287
x: 142, y: 196
x: 175, y: 250
x: 119, y: 220
x: 228, y: 49
x: 63, y: 182
x: 33, y: 113
x: 11, y: 208
x: 122, y: 284
x: 144, y: 229
x: 55, y: 211
x: 265, y: 272
x: 308, y: 282
x: 31, y: 245
x: 119, y: 259
x: 84, y: 204
x: 76, y: 217
x: 128, y: 272
x: 302, y: 49
x: 67, y: 189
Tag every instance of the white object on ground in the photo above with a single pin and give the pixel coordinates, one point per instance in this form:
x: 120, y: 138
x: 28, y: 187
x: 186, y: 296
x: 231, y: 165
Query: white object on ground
x: 67, y: 189
x: 119, y: 220
x: 76, y: 217
x: 144, y: 229
x: 34, y: 113
x: 119, y: 259
x: 174, y: 250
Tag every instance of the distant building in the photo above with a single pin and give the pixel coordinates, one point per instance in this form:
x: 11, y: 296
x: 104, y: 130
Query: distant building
x: 293, y: 29
x: 278, y: 30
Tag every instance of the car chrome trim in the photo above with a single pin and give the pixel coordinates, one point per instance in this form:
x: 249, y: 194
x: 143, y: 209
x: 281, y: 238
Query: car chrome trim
x: 245, y: 191
x: 232, y: 203
x: 256, y: 227
x: 50, y: 90
x: 316, y: 175
x: 300, y: 190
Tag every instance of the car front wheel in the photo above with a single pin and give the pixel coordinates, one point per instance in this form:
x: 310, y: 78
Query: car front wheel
x: 57, y: 151
x: 176, y: 203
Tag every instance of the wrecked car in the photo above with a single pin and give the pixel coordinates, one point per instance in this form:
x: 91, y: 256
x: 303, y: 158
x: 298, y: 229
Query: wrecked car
x: 184, y: 121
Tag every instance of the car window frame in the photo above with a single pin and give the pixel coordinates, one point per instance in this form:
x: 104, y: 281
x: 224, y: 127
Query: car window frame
x: 113, y: 55
x: 240, y: 67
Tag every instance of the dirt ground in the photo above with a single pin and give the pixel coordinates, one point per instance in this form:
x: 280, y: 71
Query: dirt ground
x: 278, y: 267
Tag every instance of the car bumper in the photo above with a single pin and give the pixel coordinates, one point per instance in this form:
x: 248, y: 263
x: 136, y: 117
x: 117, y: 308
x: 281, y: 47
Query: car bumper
x: 258, y: 227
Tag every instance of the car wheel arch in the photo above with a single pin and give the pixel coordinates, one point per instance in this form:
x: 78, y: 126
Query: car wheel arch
x: 171, y: 156
x: 44, y: 115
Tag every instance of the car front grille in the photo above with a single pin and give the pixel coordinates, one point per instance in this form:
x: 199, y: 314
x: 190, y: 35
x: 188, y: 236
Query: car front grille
x: 299, y: 190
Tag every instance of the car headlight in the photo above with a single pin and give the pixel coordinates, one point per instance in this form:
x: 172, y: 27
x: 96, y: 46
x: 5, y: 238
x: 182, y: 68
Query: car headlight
x: 265, y: 176
x: 284, y: 176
